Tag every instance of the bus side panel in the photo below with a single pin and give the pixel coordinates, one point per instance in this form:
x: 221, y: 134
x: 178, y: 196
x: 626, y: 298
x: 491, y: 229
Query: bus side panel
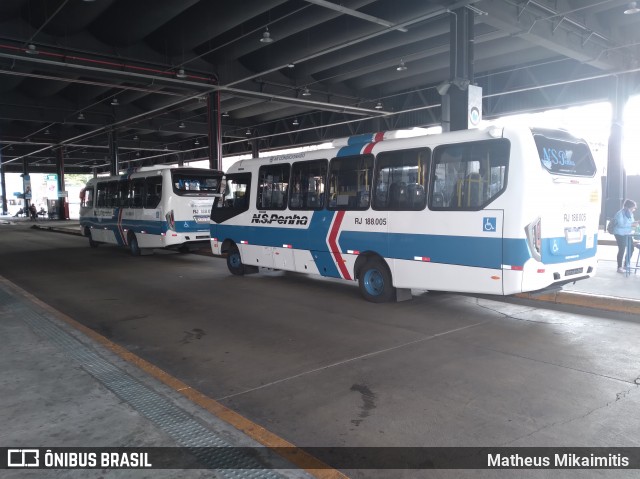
x: 450, y: 251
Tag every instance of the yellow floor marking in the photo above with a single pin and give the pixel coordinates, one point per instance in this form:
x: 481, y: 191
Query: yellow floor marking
x: 296, y: 456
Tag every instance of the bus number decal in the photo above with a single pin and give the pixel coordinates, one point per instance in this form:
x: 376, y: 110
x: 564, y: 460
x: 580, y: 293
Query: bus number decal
x: 371, y: 221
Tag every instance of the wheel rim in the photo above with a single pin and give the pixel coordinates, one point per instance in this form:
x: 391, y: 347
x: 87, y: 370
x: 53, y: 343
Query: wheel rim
x: 373, y: 282
x: 234, y: 260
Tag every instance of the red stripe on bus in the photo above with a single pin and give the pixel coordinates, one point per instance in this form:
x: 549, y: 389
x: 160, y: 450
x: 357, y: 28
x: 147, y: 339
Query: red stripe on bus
x: 335, y: 250
x: 124, y: 237
x: 376, y: 138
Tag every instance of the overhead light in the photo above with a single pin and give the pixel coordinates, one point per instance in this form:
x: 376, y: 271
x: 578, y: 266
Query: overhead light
x: 138, y: 154
x: 378, y: 106
x: 181, y: 74
x: 80, y: 116
x: 290, y: 65
x: 11, y: 148
x: 115, y: 102
x: 631, y: 9
x: 47, y: 132
x: 306, y: 92
x: 401, y: 66
x: 31, y: 49
x: 182, y: 125
x: 166, y: 148
x: 266, y: 36
x: 248, y: 132
x: 225, y: 114
x: 135, y: 138
x: 197, y: 142
x: 295, y: 122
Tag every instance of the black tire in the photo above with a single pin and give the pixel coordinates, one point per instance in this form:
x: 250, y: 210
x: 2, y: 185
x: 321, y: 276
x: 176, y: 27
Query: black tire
x: 133, y: 245
x: 375, y: 281
x: 92, y: 243
x: 234, y: 261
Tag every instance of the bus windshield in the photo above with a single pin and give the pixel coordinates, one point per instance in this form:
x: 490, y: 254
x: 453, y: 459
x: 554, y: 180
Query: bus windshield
x: 195, y: 182
x: 565, y: 156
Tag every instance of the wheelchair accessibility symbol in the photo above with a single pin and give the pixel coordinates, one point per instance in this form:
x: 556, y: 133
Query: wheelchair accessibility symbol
x: 489, y: 224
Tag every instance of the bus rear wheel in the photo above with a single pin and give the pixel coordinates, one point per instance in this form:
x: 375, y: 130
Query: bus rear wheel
x: 234, y: 261
x: 375, y: 281
x: 133, y: 245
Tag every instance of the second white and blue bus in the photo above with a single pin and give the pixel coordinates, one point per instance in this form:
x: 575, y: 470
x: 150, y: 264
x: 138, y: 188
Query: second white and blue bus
x: 151, y: 207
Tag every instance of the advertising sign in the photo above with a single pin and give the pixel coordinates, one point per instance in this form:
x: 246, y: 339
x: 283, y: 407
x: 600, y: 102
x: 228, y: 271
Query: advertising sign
x: 52, y: 186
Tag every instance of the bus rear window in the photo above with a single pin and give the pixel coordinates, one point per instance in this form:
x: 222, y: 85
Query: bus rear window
x: 195, y: 183
x: 562, y: 157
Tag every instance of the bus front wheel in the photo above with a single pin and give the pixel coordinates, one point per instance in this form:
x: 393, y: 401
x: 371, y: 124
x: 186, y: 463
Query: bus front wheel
x: 234, y: 261
x: 133, y: 245
x: 375, y: 281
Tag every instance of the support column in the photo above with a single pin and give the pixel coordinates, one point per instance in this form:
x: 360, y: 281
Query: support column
x: 114, y: 167
x: 3, y: 184
x: 616, y: 178
x: 214, y: 124
x: 255, y: 151
x: 63, y: 208
x: 455, y: 94
x: 26, y: 186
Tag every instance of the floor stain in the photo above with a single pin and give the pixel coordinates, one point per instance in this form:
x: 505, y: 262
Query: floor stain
x: 192, y: 335
x: 368, y: 402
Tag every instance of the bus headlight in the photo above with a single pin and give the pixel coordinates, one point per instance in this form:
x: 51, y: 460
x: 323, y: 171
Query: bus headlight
x: 534, y: 238
x: 171, y: 224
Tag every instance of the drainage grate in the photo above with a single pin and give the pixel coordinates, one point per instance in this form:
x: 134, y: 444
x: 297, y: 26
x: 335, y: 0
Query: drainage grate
x: 175, y: 422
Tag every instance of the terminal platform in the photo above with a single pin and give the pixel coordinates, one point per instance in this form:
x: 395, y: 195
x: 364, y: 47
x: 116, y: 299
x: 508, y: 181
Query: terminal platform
x: 65, y: 384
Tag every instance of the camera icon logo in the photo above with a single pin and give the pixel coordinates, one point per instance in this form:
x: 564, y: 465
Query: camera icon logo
x: 23, y: 458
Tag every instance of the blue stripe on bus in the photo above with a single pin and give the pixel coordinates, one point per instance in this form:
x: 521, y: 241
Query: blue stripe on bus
x: 349, y: 150
x: 557, y: 250
x: 148, y: 226
x: 461, y: 250
x: 360, y: 139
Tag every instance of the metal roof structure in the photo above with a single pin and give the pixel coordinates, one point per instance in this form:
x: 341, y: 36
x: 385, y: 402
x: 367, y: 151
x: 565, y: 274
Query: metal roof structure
x: 289, y: 72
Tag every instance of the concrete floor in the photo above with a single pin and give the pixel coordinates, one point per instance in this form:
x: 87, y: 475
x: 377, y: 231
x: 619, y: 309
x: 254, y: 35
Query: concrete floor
x: 311, y: 361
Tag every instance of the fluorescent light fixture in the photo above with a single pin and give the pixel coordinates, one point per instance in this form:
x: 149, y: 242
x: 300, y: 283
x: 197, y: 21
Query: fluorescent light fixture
x: 378, y: 106
x: 248, y: 132
x: 631, y: 9
x: 181, y: 74
x: 80, y: 116
x: 306, y: 92
x: 115, y: 102
x: 295, y: 122
x: 31, y: 49
x: 182, y: 125
x: 401, y: 66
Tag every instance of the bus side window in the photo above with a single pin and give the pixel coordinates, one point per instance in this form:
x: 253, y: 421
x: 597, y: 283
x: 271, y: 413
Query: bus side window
x: 350, y: 180
x: 153, y: 190
x: 469, y: 176
x: 136, y: 193
x: 308, y: 180
x: 273, y: 187
x: 400, y: 178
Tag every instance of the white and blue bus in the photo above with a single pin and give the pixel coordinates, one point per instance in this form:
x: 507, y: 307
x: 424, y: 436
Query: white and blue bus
x: 497, y: 211
x: 151, y: 207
